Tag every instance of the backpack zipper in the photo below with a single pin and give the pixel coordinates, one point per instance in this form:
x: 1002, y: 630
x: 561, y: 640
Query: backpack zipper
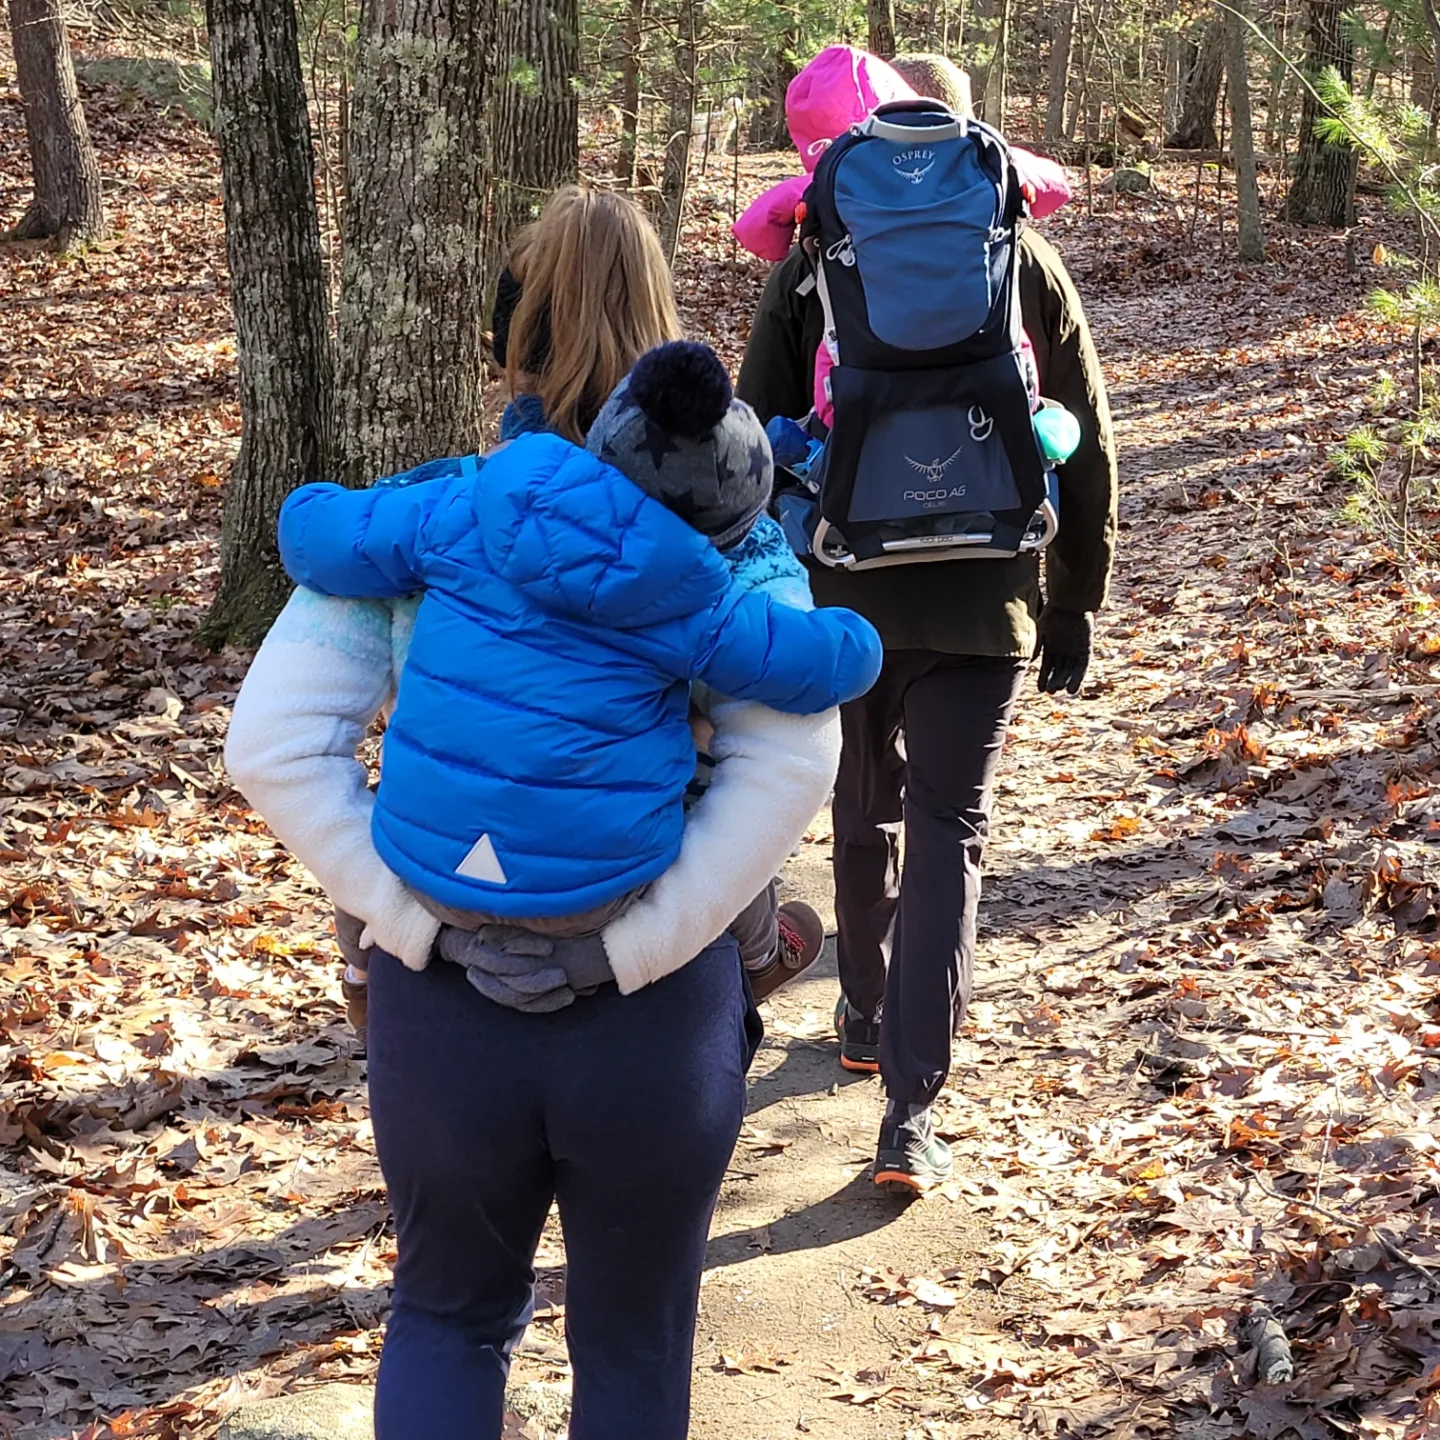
x: 842, y: 250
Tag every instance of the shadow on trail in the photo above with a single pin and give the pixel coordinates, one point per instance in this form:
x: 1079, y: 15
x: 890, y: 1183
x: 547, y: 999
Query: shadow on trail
x: 856, y: 1210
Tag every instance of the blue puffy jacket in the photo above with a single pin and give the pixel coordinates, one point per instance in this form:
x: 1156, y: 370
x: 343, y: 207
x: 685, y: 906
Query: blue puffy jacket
x: 539, y: 750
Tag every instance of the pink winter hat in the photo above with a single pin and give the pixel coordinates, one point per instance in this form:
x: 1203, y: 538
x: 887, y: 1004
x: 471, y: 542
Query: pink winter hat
x: 836, y: 90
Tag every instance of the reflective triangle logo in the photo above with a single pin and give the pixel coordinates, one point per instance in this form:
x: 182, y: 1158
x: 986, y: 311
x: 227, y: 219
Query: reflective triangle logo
x: 482, y: 863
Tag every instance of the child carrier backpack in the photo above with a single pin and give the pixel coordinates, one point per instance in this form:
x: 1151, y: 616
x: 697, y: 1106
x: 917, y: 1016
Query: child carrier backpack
x: 913, y: 222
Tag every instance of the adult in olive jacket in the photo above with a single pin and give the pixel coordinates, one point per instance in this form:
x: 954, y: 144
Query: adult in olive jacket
x: 958, y: 636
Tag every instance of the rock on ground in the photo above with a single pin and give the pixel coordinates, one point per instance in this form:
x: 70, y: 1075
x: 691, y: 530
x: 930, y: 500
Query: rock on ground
x: 328, y: 1412
x: 343, y: 1412
x: 1128, y: 182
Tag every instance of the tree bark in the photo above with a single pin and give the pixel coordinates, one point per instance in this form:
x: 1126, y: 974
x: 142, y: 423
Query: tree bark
x: 1323, y: 192
x: 1422, y: 77
x: 1062, y: 36
x: 411, y: 286
x: 880, y: 15
x: 535, y: 115
x: 768, y: 128
x: 1279, y: 76
x: 1196, y: 128
x: 997, y: 76
x: 67, y: 199
x: 1175, y: 71
x: 277, y: 294
x: 1247, y: 184
x: 631, y: 40
x: 675, y: 179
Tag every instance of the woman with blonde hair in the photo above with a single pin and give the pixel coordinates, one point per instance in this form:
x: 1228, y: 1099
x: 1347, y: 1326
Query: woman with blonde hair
x: 621, y: 1097
x: 591, y: 272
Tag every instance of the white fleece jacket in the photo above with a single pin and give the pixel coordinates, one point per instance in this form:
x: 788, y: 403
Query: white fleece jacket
x: 329, y: 667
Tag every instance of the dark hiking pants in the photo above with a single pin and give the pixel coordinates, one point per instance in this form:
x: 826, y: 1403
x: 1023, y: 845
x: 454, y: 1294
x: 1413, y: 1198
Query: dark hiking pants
x: 953, y: 711
x: 624, y: 1109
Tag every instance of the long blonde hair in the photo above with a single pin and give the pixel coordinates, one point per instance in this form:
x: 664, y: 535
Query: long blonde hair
x: 592, y: 273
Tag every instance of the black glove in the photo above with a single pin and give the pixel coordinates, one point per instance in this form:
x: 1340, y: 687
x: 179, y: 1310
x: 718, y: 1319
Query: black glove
x: 525, y: 971
x: 1063, y: 645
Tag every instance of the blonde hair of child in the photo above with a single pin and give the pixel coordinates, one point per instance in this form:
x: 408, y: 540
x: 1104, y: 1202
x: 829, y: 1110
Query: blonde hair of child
x: 935, y: 78
x: 591, y: 264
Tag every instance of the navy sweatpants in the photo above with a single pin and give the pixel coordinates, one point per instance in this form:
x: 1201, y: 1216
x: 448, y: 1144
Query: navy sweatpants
x: 625, y: 1109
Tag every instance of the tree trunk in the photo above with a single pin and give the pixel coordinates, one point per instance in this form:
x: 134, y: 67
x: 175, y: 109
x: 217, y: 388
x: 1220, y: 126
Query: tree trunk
x: 277, y: 294
x: 1323, y: 192
x: 1279, y: 77
x: 1176, y: 69
x: 67, y: 202
x: 1422, y: 76
x: 768, y: 129
x: 675, y: 179
x: 1196, y: 129
x: 411, y: 286
x: 881, y: 17
x: 631, y: 40
x: 1247, y: 184
x: 535, y: 116
x: 1062, y: 36
x: 997, y: 76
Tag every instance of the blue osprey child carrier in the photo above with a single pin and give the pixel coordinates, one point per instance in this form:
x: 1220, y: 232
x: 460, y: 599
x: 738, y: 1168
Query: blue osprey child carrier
x: 913, y: 222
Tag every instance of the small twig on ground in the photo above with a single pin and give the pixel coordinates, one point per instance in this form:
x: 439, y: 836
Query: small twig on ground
x: 1274, y: 1364
x: 1393, y: 1252
x: 1324, y: 1156
x: 1391, y: 696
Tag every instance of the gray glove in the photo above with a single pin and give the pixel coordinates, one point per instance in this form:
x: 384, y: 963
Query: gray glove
x: 525, y: 971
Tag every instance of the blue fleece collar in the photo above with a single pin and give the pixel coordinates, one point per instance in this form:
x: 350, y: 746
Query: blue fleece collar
x: 524, y: 415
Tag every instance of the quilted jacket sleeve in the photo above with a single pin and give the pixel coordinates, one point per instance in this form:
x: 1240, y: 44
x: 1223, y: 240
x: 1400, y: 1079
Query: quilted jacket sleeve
x: 767, y: 228
x: 797, y: 661
x: 359, y: 543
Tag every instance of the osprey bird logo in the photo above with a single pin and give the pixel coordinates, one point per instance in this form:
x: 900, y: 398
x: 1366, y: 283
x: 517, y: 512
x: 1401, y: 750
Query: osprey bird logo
x: 934, y: 471
x: 916, y: 176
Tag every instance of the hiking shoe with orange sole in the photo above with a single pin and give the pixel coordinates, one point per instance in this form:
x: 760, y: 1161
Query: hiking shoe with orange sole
x: 802, y: 935
x: 859, y: 1039
x: 911, y: 1157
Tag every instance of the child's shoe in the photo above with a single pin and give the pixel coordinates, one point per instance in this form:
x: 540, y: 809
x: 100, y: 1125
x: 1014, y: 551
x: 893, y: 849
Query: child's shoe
x: 354, y: 986
x: 802, y: 934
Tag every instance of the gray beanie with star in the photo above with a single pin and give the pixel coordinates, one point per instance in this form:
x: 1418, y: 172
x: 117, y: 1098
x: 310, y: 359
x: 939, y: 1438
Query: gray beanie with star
x: 674, y: 427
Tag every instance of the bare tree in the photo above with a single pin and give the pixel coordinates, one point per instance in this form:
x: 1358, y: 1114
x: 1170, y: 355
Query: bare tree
x: 67, y: 199
x: 994, y: 98
x: 277, y: 294
x: 1323, y: 192
x: 1196, y: 128
x: 411, y: 291
x: 1062, y: 38
x: 631, y: 41
x: 880, y: 18
x: 1247, y: 185
x: 675, y: 178
x: 535, y: 113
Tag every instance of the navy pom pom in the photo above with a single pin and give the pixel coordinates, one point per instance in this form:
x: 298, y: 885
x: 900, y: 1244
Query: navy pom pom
x: 682, y: 386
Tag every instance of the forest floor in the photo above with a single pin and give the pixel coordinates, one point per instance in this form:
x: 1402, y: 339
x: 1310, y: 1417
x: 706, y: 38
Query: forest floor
x: 1202, y: 1065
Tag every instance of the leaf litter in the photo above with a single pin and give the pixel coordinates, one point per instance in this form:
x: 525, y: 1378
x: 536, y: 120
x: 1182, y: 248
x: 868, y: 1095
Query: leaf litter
x: 1200, y: 1074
